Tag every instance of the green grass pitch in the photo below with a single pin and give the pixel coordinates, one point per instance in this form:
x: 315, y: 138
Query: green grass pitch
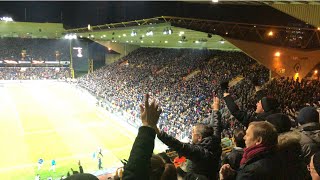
x: 53, y: 120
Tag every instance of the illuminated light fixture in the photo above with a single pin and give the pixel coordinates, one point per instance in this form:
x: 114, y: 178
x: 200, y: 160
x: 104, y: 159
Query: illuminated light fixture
x: 254, y: 26
x: 89, y: 27
x: 179, y: 41
x: 109, y: 49
x: 115, y: 41
x: 165, y: 41
x: 104, y: 35
x: 197, y: 42
x: 109, y: 27
x: 149, y: 33
x: 92, y: 35
x: 222, y: 41
x: 215, y: 1
x: 296, y: 76
x: 133, y: 33
x: 270, y: 33
x: 131, y: 41
x: 80, y: 36
x: 318, y: 28
x: 277, y: 54
x: 315, y: 72
x: 141, y: 41
x: 70, y: 36
x: 227, y: 33
x: 142, y: 36
x: 119, y: 36
x: 124, y: 35
x: 167, y: 31
x: 6, y: 19
x: 127, y: 41
x: 152, y: 41
x: 181, y: 33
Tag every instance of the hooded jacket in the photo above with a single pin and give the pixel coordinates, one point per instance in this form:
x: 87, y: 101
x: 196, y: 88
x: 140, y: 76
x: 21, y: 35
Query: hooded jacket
x: 289, y: 153
x: 310, y: 139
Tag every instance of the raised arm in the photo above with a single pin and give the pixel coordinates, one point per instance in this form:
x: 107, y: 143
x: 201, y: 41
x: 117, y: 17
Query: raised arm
x: 215, y: 120
x: 139, y: 162
x: 241, y: 116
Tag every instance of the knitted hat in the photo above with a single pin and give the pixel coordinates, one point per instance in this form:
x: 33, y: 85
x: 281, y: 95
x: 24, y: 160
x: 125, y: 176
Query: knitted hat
x: 307, y: 115
x: 269, y: 103
x: 316, y: 162
x: 280, y: 121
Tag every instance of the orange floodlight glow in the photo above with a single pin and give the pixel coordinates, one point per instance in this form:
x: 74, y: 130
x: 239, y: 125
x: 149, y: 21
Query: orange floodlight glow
x: 277, y: 54
x: 270, y: 33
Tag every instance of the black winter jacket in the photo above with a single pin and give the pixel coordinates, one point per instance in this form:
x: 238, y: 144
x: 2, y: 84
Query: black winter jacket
x: 263, y: 166
x: 139, y: 162
x: 205, y: 156
x: 244, y: 117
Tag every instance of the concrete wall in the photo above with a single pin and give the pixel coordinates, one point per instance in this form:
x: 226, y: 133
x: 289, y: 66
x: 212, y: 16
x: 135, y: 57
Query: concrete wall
x: 122, y: 48
x: 290, y: 61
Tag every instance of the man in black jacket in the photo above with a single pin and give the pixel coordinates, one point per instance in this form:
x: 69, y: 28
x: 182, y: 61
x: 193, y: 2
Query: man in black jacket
x: 205, y: 149
x: 265, y: 107
x: 259, y: 160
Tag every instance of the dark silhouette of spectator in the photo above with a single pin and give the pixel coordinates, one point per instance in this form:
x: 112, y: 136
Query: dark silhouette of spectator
x: 309, y: 129
x: 83, y: 176
x: 235, y: 156
x: 289, y: 149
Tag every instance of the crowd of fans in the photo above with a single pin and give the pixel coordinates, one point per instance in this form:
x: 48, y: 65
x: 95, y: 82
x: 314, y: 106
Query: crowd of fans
x: 34, y: 73
x: 168, y: 73
x: 185, y: 82
x: 37, y: 49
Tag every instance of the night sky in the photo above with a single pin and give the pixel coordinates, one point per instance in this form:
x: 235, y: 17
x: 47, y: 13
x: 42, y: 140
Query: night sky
x: 80, y: 14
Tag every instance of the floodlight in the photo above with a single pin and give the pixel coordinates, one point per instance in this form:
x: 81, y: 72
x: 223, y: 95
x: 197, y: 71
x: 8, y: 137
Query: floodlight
x: 6, y: 19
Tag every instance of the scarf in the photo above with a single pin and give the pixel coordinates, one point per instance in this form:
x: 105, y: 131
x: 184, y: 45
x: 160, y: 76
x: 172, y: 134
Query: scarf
x: 252, y: 151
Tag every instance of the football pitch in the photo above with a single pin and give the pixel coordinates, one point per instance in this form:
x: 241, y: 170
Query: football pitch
x: 53, y: 120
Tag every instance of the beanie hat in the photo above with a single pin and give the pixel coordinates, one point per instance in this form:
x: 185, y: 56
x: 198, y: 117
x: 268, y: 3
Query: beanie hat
x: 316, y: 162
x: 280, y: 121
x: 269, y: 103
x: 307, y: 115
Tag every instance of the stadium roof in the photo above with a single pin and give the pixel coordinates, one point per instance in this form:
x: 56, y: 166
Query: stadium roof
x: 179, y: 37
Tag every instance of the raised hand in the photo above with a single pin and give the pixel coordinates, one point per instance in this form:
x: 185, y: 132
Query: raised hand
x: 150, y: 113
x: 216, y: 104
